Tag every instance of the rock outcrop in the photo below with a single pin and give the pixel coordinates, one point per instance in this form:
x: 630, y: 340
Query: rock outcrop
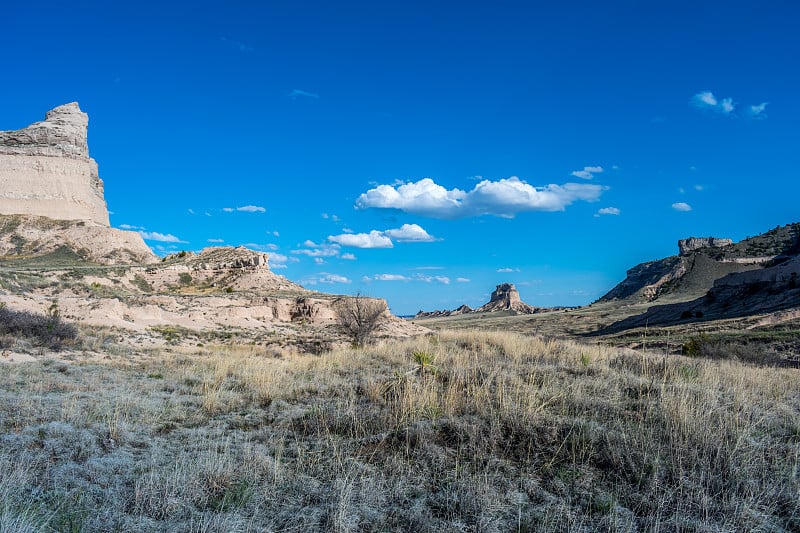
x: 45, y: 170
x: 691, y: 244
x: 506, y: 298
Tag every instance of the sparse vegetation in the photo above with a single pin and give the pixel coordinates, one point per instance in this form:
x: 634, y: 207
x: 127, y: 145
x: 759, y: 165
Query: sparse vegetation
x: 42, y: 329
x: 511, y: 433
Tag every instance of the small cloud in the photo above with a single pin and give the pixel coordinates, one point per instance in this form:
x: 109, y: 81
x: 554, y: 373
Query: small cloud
x: 608, y: 211
x: 429, y: 279
x: 319, y: 261
x: 160, y: 237
x: 278, y: 261
x: 587, y: 173
x: 707, y: 100
x: 390, y: 277
x: 191, y: 211
x: 217, y: 241
x: 130, y: 228
x: 409, y: 233
x: 275, y: 233
x: 699, y: 187
x: 297, y: 92
x: 373, y: 239
x: 318, y: 250
x: 429, y: 268
x: 681, y: 206
x: 246, y: 209
x: 349, y: 257
x: 507, y: 270
x: 757, y: 111
x: 462, y: 280
x: 332, y: 278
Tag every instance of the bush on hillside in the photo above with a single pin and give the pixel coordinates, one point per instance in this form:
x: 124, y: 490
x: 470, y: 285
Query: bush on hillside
x: 44, y: 329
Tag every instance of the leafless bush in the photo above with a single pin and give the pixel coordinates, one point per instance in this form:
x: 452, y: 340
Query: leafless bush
x: 48, y: 329
x: 359, y: 316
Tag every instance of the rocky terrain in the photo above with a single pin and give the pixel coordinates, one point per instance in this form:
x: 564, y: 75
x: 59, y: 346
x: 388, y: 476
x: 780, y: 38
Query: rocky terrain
x: 504, y: 298
x: 57, y: 251
x: 715, y: 279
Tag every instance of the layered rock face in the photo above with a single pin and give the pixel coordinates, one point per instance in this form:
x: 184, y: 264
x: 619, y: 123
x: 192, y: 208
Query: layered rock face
x: 691, y: 244
x: 45, y: 170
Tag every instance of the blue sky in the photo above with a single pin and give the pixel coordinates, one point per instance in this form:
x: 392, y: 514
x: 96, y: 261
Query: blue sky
x: 426, y: 151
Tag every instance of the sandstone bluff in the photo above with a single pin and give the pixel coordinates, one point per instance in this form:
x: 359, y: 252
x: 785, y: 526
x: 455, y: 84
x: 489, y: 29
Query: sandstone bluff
x: 46, y: 175
x: 45, y: 169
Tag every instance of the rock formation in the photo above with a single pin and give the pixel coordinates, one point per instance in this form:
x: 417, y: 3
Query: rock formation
x: 506, y: 298
x: 696, y: 243
x: 45, y: 170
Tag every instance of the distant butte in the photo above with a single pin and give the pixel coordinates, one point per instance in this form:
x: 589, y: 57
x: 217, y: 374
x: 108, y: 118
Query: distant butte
x: 504, y: 298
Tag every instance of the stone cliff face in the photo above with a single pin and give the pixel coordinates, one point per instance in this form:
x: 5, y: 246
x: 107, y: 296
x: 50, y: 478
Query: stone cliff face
x: 691, y: 244
x: 45, y: 170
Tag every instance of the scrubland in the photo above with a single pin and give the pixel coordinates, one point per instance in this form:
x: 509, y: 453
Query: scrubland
x: 462, y: 431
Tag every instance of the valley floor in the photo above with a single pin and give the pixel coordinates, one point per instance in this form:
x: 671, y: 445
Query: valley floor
x: 460, y: 431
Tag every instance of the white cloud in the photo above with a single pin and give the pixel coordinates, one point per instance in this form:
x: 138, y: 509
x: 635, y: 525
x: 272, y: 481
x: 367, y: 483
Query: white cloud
x: 248, y: 209
x: 216, y: 240
x: 462, y: 280
x: 707, y: 100
x: 319, y: 261
x: 129, y: 227
x: 390, y: 277
x: 318, y: 250
x: 332, y: 278
x: 160, y: 237
x: 506, y: 270
x: 349, y: 257
x: 503, y: 198
x: 373, y: 239
x: 297, y: 92
x: 587, y: 173
x: 409, y: 233
x: 428, y: 279
x: 277, y: 261
x: 681, y: 206
x: 757, y: 111
x: 608, y: 211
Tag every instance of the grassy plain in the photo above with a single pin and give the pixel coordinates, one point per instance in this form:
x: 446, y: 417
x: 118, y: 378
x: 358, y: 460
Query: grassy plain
x: 468, y: 430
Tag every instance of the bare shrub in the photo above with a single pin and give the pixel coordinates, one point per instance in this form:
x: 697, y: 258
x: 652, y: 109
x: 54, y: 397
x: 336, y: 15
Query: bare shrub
x: 48, y: 329
x: 360, y: 316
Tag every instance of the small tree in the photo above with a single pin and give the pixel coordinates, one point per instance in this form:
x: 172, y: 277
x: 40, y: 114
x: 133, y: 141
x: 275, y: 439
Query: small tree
x: 359, y: 316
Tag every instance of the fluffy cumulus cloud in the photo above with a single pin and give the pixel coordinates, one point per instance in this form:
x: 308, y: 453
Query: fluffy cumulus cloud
x: 373, y: 239
x: 160, y: 237
x: 383, y: 239
x: 587, y: 173
x: 607, y: 211
x: 503, y: 198
x: 681, y: 206
x: 277, y: 261
x: 409, y: 233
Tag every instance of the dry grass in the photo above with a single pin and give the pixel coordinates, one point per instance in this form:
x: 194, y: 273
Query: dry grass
x: 467, y: 431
